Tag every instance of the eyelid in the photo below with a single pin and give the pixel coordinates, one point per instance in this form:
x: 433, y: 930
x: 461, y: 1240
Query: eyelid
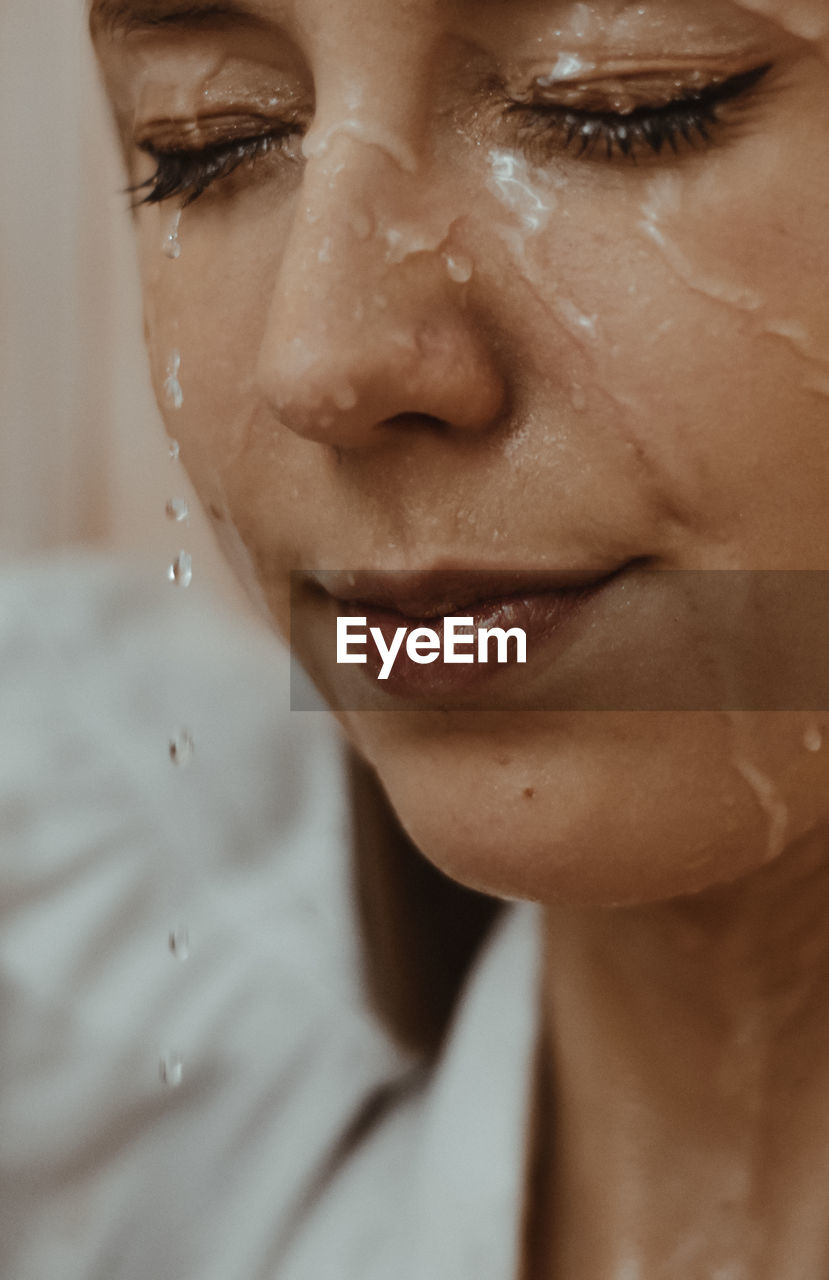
x: 648, y: 130
x: 202, y: 133
x: 188, y: 172
x: 704, y: 97
x: 646, y: 88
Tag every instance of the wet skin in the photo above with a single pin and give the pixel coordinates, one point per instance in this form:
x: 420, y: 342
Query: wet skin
x: 446, y: 320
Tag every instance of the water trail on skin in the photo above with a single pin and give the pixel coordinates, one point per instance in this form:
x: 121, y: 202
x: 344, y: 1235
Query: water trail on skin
x: 404, y: 242
x: 371, y: 135
x: 459, y: 267
x: 770, y: 801
x: 171, y: 246
x: 238, y: 556
x: 708, y: 600
x: 513, y: 182
x: 799, y: 339
x: 530, y: 198
x: 664, y: 201
x: 578, y: 323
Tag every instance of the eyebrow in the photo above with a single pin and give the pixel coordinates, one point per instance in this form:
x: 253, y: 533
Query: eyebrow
x: 120, y: 17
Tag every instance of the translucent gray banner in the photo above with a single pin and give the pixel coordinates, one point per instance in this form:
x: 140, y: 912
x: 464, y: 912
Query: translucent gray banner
x: 631, y: 638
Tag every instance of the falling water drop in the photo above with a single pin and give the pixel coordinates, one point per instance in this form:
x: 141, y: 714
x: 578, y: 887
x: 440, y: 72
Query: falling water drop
x: 182, y: 748
x: 180, y: 571
x: 179, y: 943
x: 813, y: 738
x: 172, y: 240
x: 459, y: 268
x: 173, y: 450
x: 171, y: 1070
x: 173, y: 393
x: 178, y: 510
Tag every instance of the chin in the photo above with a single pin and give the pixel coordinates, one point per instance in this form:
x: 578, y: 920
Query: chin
x: 589, y: 809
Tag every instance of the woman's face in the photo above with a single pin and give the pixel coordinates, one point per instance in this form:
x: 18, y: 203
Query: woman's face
x: 486, y: 285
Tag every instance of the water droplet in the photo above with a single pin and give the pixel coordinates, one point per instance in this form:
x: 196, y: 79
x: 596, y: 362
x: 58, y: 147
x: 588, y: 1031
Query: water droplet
x: 178, y: 510
x: 813, y: 738
x: 173, y: 450
x: 171, y: 1070
x: 179, y: 943
x: 574, y: 319
x: 578, y: 399
x: 172, y: 240
x: 345, y: 398
x: 567, y: 67
x: 182, y: 748
x: 173, y: 394
x: 180, y: 571
x: 459, y: 267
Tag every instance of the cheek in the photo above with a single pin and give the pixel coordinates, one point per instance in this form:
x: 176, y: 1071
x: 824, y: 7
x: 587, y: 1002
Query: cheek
x: 693, y: 354
x: 601, y: 808
x: 205, y: 312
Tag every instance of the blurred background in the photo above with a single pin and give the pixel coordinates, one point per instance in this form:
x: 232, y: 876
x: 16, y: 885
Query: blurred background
x: 83, y: 455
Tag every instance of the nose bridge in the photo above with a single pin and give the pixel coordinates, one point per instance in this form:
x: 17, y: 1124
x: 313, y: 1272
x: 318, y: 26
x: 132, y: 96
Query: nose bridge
x: 361, y: 217
x: 367, y: 321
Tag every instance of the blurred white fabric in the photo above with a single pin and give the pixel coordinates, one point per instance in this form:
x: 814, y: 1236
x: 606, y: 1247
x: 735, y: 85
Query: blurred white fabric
x: 301, y: 1144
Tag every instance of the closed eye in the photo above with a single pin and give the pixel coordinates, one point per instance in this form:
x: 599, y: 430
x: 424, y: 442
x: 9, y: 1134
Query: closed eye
x: 690, y: 120
x: 188, y: 172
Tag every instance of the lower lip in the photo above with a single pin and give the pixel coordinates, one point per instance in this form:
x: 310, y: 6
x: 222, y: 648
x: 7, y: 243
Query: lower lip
x: 548, y: 619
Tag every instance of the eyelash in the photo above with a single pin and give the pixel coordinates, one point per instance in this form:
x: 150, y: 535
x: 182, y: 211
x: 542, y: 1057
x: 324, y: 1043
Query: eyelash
x: 644, y: 130
x: 189, y: 173
x: 687, y: 120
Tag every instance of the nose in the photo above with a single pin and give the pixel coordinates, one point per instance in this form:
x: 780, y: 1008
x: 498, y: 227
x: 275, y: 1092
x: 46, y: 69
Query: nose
x: 372, y: 323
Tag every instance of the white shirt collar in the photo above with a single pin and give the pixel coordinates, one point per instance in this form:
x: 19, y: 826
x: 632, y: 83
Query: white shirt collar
x: 471, y: 1157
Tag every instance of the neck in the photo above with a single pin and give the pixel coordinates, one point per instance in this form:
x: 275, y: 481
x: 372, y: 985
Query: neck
x: 687, y: 1051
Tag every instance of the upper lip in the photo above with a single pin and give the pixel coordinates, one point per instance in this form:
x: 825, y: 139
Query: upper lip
x: 437, y: 592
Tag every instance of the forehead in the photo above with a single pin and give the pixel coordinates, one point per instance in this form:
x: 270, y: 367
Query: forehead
x: 110, y: 16
x: 808, y: 19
